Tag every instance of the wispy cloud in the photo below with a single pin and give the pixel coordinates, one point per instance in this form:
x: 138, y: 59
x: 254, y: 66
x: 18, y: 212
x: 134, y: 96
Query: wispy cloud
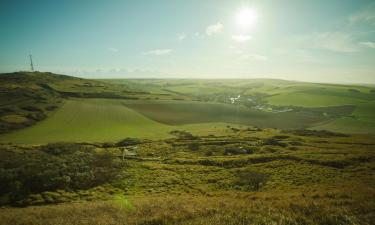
x: 368, y: 44
x: 367, y: 15
x: 243, y: 55
x: 214, y: 29
x: 254, y: 57
x: 331, y: 41
x: 241, y: 38
x: 181, y: 36
x: 158, y: 52
x: 112, y: 49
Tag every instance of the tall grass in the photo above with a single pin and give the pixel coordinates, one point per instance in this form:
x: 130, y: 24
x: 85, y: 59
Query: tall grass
x: 193, y: 210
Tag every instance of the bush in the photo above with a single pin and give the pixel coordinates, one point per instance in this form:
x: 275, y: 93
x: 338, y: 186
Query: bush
x: 237, y: 151
x: 251, y: 180
x: 53, y: 167
x: 193, y: 146
x: 274, y: 142
x: 62, y: 148
x: 183, y: 135
x: 128, y: 142
x: 32, y: 108
x: 318, y: 133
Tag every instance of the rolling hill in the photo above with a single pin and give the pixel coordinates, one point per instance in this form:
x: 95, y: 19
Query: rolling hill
x: 44, y: 107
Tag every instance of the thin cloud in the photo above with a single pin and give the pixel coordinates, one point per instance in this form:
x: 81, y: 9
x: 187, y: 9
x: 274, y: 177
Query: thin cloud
x: 241, y: 38
x: 181, y: 36
x: 368, y: 44
x: 366, y: 15
x: 112, y: 49
x: 247, y: 56
x: 254, y: 57
x: 331, y: 41
x: 214, y: 29
x: 158, y: 52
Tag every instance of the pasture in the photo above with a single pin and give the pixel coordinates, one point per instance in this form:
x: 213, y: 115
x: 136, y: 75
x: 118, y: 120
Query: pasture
x: 91, y: 120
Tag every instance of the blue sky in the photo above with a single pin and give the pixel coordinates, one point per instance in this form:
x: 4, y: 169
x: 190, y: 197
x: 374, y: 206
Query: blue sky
x: 321, y: 41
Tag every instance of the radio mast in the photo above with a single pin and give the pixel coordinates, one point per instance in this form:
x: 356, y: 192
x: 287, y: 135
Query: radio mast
x: 31, y: 62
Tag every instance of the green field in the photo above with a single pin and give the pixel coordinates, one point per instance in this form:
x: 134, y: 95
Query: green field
x: 362, y: 120
x: 110, y: 120
x: 322, y: 96
x: 185, y: 112
x: 97, y: 120
x: 89, y: 120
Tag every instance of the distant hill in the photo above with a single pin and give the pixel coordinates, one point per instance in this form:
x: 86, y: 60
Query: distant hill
x: 28, y: 97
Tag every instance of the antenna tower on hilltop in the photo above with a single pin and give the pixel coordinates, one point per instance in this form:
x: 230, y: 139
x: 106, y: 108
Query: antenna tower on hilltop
x: 31, y: 62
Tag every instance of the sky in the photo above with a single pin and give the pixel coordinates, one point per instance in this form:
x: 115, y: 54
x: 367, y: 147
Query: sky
x: 318, y: 41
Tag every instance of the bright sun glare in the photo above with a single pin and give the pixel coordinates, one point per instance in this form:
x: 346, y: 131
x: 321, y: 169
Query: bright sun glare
x: 246, y: 17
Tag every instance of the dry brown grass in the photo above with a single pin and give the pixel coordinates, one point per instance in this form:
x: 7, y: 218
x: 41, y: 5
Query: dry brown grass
x: 235, y: 209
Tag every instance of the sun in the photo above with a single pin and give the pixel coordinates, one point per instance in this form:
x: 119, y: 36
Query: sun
x: 246, y: 17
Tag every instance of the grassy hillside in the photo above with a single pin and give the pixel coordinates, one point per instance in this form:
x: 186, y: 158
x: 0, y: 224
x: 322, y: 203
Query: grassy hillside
x: 294, y: 103
x: 90, y: 120
x: 361, y: 121
x: 63, y: 108
x: 83, y: 119
x: 244, y: 177
x: 185, y: 112
x: 28, y: 97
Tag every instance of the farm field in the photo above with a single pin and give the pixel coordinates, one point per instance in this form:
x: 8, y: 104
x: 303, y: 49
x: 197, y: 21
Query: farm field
x: 90, y: 120
x: 361, y: 121
x: 110, y: 120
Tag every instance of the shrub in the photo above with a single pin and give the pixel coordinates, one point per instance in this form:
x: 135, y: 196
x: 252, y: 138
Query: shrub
x: 32, y: 108
x: 128, y: 142
x: 237, y: 151
x: 318, y: 133
x: 61, y: 148
x: 183, y: 135
x: 193, y: 146
x: 275, y: 142
x: 295, y: 143
x: 251, y: 180
x: 53, y: 167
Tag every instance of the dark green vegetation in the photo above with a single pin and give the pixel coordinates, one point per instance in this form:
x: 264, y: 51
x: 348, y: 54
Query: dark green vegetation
x: 157, y: 152
x: 27, y: 172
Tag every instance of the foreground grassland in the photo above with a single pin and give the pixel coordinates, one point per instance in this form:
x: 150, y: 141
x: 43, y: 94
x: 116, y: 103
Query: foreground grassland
x: 248, y: 176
